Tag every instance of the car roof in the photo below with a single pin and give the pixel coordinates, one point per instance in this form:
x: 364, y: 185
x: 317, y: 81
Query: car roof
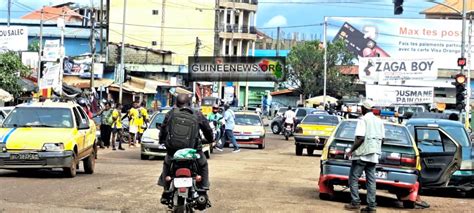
x: 50, y: 104
x: 385, y: 122
x: 425, y: 121
x: 246, y: 113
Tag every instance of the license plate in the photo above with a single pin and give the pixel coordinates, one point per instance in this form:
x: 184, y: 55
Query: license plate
x: 24, y: 156
x: 183, y: 182
x: 242, y: 137
x: 378, y: 174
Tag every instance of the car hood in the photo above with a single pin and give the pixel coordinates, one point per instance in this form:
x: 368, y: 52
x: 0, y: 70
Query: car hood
x: 151, y: 133
x: 34, y: 138
x: 248, y: 130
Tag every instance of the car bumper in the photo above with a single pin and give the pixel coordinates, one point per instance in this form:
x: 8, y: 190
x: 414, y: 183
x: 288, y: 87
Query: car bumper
x: 152, y: 149
x: 256, y: 140
x: 311, y: 141
x: 46, y: 160
x: 396, y: 180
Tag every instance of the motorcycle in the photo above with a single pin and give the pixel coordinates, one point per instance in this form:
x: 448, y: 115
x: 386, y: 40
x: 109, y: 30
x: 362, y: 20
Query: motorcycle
x: 184, y: 180
x: 288, y: 131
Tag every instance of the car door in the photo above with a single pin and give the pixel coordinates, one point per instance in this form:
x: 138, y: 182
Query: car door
x: 440, y: 155
x: 82, y: 127
x: 88, y: 130
x: 300, y: 114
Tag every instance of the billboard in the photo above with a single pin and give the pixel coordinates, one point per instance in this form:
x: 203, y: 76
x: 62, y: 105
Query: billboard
x: 373, y: 69
x: 393, y: 95
x: 400, y: 38
x: 237, y: 69
x: 14, y: 38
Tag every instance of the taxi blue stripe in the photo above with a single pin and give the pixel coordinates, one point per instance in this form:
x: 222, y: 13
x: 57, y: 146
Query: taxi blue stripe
x: 6, y: 136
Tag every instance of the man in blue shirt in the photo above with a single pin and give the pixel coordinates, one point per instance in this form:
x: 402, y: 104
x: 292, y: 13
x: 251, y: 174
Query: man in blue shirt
x: 229, y: 117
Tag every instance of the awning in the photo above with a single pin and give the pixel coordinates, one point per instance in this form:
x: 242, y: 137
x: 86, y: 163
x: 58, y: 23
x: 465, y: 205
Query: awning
x: 131, y: 89
x: 5, y: 96
x: 318, y: 100
x: 180, y: 90
x: 82, y: 83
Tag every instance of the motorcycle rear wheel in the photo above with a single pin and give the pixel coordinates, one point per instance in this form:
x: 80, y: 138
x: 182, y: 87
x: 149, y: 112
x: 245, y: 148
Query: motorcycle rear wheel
x: 182, y: 207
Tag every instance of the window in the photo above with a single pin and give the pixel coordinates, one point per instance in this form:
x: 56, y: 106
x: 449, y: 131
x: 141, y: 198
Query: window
x: 157, y: 120
x: 432, y: 140
x: 301, y: 113
x: 78, y: 117
x: 321, y: 119
x: 155, y: 12
x: 39, y: 117
x: 84, y: 120
x: 247, y: 120
x: 154, y: 43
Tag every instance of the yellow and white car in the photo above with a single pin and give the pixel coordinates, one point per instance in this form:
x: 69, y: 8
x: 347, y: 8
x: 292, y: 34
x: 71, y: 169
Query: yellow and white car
x: 313, y: 132
x: 249, y: 129
x: 48, y: 135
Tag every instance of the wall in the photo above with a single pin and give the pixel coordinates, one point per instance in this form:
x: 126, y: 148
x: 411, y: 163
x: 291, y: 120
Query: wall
x: 178, y: 14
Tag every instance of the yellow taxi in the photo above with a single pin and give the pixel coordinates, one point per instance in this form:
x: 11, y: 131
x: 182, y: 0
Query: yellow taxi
x: 313, y: 132
x: 249, y: 129
x: 48, y: 135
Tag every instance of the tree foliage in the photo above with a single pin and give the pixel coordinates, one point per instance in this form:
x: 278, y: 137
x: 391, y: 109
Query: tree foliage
x: 307, y: 69
x: 11, y: 69
x: 33, y: 46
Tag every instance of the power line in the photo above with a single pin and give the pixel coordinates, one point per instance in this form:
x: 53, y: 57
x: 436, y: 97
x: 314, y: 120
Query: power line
x: 201, y: 28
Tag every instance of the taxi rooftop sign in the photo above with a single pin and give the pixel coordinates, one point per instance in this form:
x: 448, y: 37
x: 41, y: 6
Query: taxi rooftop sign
x: 237, y: 69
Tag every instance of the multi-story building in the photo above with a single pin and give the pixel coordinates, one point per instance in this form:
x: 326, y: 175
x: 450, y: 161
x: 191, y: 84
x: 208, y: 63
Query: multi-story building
x: 237, y: 27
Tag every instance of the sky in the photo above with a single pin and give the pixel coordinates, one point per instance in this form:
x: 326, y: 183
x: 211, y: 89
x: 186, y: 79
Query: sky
x: 282, y: 13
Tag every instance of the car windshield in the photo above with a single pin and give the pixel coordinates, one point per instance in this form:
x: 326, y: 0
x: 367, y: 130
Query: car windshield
x: 158, y: 119
x: 39, y: 117
x: 397, y: 135
x: 282, y: 110
x: 320, y: 119
x: 247, y: 120
x: 410, y: 109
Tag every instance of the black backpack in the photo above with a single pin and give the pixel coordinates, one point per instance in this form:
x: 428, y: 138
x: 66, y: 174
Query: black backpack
x: 183, y: 129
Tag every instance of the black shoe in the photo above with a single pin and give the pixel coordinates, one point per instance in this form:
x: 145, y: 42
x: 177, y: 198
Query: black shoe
x: 165, y: 198
x: 352, y: 206
x: 121, y: 148
x: 368, y: 209
x: 114, y: 149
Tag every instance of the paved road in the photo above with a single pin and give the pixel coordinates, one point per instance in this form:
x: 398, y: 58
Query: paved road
x: 270, y: 180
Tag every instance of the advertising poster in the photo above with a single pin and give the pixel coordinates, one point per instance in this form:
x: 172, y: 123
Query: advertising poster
x: 399, y: 95
x: 14, y: 38
x: 373, y: 69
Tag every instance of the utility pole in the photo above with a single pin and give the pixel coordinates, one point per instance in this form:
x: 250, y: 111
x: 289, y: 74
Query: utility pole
x: 217, y: 46
x: 92, y: 44
x: 463, y: 39
x: 468, y: 82
x: 196, y: 55
x: 101, y: 19
x: 40, y: 51
x: 9, y: 11
x: 122, y: 53
x: 62, y: 53
x: 325, y: 58
x: 162, y: 34
x: 278, y: 42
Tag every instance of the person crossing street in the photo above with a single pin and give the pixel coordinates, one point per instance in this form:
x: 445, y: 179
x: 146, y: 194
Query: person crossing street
x: 229, y: 117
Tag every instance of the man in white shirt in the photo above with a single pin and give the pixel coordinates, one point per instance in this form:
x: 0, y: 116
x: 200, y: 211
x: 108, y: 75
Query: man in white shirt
x: 365, y: 152
x: 289, y: 118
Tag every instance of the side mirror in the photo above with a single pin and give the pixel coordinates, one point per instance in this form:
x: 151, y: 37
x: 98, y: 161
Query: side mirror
x: 157, y: 125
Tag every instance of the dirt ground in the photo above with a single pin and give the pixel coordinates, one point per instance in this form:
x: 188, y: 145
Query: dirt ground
x: 270, y: 180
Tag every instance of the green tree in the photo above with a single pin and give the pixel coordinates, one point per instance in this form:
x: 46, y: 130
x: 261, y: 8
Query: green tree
x: 11, y: 69
x: 307, y: 69
x: 33, y: 46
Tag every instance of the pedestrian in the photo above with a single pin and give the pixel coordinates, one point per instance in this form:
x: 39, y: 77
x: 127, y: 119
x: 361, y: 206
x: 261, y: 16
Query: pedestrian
x: 229, y: 117
x: 117, y: 132
x: 133, y: 119
x: 235, y: 101
x: 215, y: 118
x: 364, y: 153
x: 142, y: 121
x: 105, y: 125
x: 264, y: 105
x: 183, y: 119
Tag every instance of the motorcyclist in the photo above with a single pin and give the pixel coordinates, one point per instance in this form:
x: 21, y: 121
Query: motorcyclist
x: 183, y: 101
x: 289, y: 118
x: 215, y: 117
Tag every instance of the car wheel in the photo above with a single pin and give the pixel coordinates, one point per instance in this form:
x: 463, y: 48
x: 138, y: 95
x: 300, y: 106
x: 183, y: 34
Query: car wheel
x: 299, y: 150
x: 325, y: 196
x: 408, y: 204
x: 144, y: 157
x: 276, y: 129
x: 207, y: 154
x: 71, y: 171
x: 89, y: 163
x: 310, y: 151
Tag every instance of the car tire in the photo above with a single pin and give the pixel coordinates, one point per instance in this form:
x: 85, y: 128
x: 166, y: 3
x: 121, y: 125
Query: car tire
x: 299, y: 150
x: 408, y: 204
x: 207, y: 154
x: 71, y: 171
x: 276, y: 129
x: 310, y: 151
x: 326, y: 196
x: 144, y: 157
x: 89, y: 163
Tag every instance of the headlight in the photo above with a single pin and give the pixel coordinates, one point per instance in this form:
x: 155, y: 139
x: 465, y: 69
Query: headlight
x: 53, y: 147
x: 148, y: 140
x: 257, y: 133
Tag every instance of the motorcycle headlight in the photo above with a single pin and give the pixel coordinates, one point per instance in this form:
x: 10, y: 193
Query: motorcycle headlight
x: 53, y: 147
x: 148, y: 140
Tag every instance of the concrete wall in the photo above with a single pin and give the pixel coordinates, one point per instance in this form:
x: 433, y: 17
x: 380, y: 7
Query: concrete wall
x: 181, y: 22
x: 134, y: 56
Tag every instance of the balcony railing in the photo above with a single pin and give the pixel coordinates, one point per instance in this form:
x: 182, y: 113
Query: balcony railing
x: 253, y: 30
x: 253, y: 1
x: 234, y: 28
x: 245, y: 29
